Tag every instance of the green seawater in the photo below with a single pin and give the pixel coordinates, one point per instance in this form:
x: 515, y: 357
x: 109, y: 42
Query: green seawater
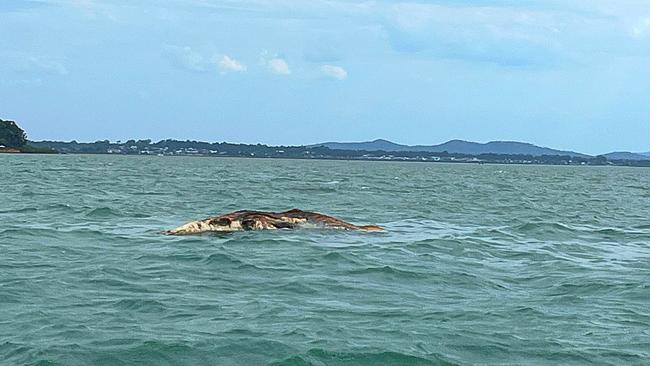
x: 480, y: 264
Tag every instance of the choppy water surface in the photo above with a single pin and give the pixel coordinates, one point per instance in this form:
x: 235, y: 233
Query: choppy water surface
x: 488, y: 265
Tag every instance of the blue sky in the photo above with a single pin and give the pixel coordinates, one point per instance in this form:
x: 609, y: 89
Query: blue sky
x: 565, y: 74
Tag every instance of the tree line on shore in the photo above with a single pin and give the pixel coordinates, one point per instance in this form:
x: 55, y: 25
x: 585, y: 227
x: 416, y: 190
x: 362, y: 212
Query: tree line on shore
x: 13, y: 137
x: 189, y: 147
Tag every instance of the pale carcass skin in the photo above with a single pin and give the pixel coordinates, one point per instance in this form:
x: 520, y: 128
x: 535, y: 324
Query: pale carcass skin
x: 262, y: 220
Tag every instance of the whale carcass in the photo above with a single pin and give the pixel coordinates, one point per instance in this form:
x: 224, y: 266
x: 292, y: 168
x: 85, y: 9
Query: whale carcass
x: 262, y: 220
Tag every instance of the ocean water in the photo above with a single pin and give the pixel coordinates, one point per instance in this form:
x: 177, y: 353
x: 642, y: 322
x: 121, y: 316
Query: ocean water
x: 480, y: 264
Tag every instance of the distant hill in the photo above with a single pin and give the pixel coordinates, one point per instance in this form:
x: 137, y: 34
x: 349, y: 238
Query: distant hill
x: 625, y: 155
x: 645, y: 153
x: 454, y: 147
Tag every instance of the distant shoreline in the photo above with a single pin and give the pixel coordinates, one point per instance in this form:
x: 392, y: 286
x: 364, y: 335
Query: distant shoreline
x: 218, y: 149
x: 351, y: 159
x: 14, y: 140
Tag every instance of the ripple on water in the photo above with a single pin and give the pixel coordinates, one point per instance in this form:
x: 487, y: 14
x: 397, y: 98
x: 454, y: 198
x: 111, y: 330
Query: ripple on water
x: 322, y: 357
x: 103, y: 213
x: 222, y: 259
x: 144, y: 305
x: 19, y: 210
x: 388, y: 271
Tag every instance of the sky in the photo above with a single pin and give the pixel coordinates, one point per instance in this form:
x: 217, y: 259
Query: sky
x: 564, y: 74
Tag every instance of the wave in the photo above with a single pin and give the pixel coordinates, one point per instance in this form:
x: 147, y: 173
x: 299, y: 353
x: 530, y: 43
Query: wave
x: 144, y: 305
x: 534, y: 227
x: 388, y: 270
x: 19, y: 210
x: 338, y: 257
x: 63, y: 169
x: 30, y: 232
x: 609, y: 288
x: 220, y: 258
x: 318, y: 357
x: 117, y: 284
x: 102, y: 213
x: 242, y: 353
x: 319, y: 189
x: 184, y: 257
x: 126, y: 351
x: 295, y: 287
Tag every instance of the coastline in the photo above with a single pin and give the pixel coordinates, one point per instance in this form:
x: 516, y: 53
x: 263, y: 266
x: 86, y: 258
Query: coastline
x: 627, y: 163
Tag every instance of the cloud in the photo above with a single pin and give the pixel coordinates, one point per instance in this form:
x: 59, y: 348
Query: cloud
x: 28, y: 70
x: 641, y: 28
x: 47, y: 66
x: 187, y: 59
x: 279, y: 66
x: 335, y: 72
x: 26, y: 64
x: 92, y: 9
x: 19, y: 6
x: 230, y: 64
x: 508, y: 36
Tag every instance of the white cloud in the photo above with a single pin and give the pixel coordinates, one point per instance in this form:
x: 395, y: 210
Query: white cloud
x: 230, y: 64
x: 279, y: 66
x: 186, y: 58
x: 335, y: 72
